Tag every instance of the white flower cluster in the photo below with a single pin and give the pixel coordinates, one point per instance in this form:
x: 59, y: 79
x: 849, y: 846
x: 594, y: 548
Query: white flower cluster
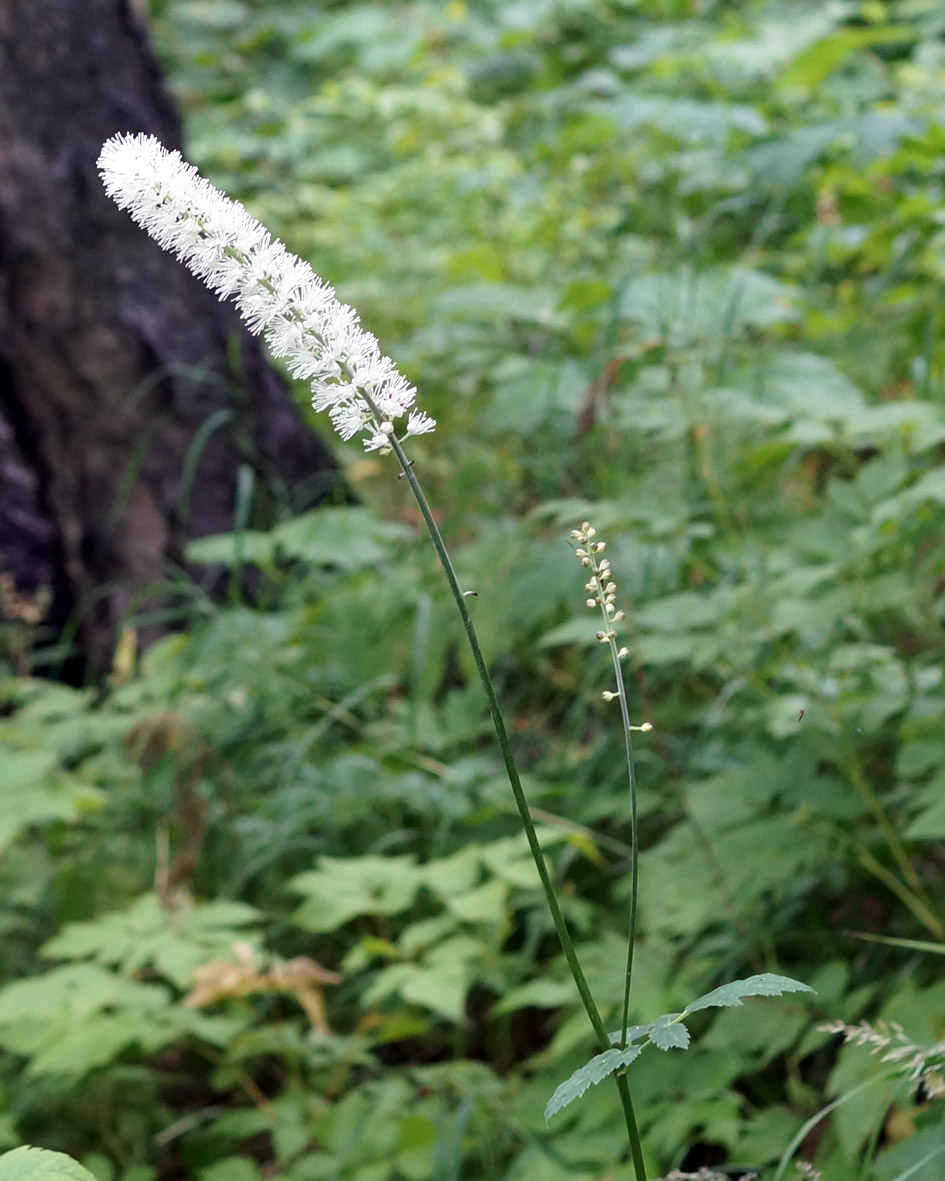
x: 277, y: 293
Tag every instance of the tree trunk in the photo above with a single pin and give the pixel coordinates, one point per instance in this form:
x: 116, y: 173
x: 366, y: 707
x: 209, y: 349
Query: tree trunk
x: 130, y: 398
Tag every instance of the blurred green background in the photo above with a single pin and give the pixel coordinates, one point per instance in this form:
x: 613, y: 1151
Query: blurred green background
x: 667, y: 265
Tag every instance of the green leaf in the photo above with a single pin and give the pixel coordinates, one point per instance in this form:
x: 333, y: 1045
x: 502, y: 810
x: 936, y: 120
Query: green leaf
x: 486, y: 904
x: 34, y: 791
x: 37, y: 1164
x: 589, y: 1075
x: 764, y: 984
x: 146, y: 934
x: 232, y: 1168
x: 688, y: 305
x: 96, y: 1042
x: 347, y: 538
x: 537, y: 994
x: 441, y: 980
x: 341, y: 889
x: 229, y: 549
x: 668, y: 1033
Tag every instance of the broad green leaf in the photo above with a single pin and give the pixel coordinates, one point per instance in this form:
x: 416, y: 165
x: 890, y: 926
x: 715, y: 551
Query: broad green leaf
x: 229, y: 549
x: 67, y: 994
x: 812, y: 389
x: 764, y: 984
x: 341, y: 889
x: 688, y: 305
x: 347, y: 538
x: 456, y: 874
x: 33, y: 790
x: 232, y: 1168
x: 589, y: 1075
x: 38, y: 1164
x: 97, y: 1041
x: 775, y: 40
x: 439, y: 982
x: 538, y: 994
x: 530, y: 393
x: 486, y: 904
x: 146, y: 934
x: 705, y: 122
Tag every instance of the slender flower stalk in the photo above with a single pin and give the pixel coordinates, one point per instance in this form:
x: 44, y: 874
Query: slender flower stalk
x: 602, y: 595
x: 277, y: 293
x: 323, y: 342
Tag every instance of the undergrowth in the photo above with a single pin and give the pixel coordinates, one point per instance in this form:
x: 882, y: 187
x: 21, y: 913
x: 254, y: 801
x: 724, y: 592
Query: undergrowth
x: 672, y: 268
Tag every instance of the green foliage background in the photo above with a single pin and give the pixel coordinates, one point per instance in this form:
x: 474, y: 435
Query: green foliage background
x: 674, y: 267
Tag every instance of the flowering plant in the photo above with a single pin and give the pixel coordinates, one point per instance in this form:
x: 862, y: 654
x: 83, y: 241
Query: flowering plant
x: 323, y: 342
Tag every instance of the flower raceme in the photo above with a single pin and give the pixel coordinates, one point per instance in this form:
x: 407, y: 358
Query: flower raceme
x: 277, y: 293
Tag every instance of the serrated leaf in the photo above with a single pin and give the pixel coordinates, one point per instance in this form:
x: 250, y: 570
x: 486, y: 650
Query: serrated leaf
x: 37, y: 1164
x: 669, y: 1033
x: 666, y: 1033
x: 589, y: 1075
x: 764, y: 984
x: 635, y: 1033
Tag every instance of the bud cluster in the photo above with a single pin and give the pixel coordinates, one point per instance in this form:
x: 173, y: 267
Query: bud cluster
x: 601, y: 586
x: 602, y: 595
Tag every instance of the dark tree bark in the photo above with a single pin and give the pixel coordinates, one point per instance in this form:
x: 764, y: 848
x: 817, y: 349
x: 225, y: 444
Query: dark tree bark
x: 118, y: 370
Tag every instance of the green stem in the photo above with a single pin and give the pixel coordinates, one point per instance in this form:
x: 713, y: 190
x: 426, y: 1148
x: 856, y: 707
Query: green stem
x: 632, y: 781
x: 521, y: 803
x: 634, y: 846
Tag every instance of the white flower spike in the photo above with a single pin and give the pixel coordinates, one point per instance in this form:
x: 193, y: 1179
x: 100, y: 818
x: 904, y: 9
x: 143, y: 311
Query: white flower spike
x: 277, y: 293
